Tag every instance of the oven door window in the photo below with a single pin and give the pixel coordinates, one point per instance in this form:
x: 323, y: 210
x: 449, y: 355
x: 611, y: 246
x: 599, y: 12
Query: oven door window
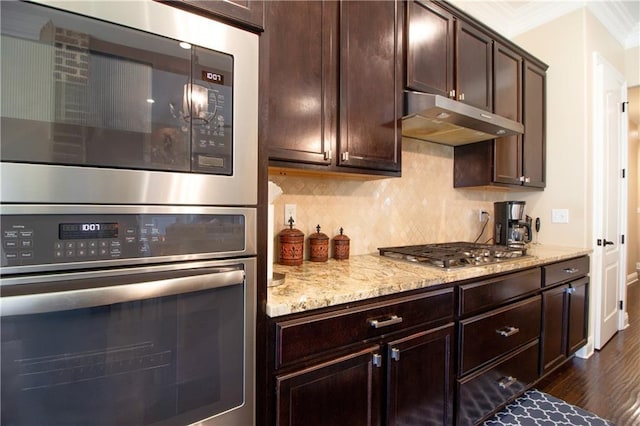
x: 80, y: 91
x: 170, y: 360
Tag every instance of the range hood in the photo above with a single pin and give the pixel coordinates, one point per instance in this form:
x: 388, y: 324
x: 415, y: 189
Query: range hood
x: 435, y: 118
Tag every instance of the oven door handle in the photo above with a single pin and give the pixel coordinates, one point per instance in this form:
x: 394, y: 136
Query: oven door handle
x: 102, y: 296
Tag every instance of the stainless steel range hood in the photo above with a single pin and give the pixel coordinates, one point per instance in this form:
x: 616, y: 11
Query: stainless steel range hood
x: 442, y: 120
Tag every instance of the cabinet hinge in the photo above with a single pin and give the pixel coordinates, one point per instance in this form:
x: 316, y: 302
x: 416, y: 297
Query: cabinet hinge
x: 621, y: 305
x: 377, y: 360
x: 624, y: 106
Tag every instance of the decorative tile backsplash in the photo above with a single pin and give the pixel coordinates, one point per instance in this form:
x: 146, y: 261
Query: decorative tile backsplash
x: 420, y: 207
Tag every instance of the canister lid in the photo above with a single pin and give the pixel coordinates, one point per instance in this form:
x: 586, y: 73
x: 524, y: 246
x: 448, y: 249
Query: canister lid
x: 291, y: 231
x: 341, y: 236
x: 318, y: 235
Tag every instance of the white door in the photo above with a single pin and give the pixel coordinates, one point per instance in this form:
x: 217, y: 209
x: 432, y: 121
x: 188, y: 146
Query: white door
x: 610, y: 185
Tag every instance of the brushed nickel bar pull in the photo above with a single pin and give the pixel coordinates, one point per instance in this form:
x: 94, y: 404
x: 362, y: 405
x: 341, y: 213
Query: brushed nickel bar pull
x: 571, y: 270
x: 393, y: 319
x: 507, y: 382
x: 508, y: 331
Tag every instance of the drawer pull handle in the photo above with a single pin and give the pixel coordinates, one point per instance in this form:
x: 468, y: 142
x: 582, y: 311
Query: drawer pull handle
x: 507, y: 382
x: 395, y: 354
x: 571, y: 270
x: 508, y: 331
x: 393, y: 319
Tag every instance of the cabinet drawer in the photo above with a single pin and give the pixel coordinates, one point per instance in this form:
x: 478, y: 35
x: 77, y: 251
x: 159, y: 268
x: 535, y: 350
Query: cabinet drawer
x: 481, y: 393
x: 487, y: 294
x: 312, y: 335
x: 488, y: 336
x: 565, y: 271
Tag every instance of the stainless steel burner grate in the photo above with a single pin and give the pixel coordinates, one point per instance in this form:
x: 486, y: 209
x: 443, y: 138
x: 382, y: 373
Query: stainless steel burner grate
x: 454, y: 255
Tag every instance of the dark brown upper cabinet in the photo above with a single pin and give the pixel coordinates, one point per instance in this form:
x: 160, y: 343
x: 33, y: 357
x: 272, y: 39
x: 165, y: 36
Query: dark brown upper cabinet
x: 516, y: 162
x: 507, y: 83
x: 448, y: 56
x: 534, y: 146
x: 299, y: 81
x: 246, y: 14
x: 331, y: 86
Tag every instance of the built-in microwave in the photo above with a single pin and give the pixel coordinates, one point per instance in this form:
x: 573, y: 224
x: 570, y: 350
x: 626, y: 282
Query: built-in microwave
x: 132, y: 102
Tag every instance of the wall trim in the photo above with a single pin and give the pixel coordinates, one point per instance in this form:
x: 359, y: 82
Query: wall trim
x: 632, y: 278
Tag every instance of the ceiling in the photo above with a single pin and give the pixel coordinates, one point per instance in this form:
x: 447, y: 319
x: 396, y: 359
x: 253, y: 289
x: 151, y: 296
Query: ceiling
x: 513, y: 17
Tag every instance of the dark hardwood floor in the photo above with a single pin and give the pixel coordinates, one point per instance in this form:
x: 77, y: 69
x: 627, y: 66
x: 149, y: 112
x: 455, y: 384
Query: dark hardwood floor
x: 608, y: 383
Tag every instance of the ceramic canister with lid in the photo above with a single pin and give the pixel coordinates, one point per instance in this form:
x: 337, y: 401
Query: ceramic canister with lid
x: 318, y: 246
x: 291, y: 246
x: 341, y: 246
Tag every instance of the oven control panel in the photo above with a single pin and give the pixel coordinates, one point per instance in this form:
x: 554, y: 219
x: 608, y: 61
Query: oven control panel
x: 84, y: 239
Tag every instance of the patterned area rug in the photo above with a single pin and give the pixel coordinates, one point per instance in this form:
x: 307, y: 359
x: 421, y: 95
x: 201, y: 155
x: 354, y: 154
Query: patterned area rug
x: 535, y: 408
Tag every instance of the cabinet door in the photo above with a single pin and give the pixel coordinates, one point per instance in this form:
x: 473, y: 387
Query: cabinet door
x: 533, y: 141
x: 578, y: 314
x: 344, y: 391
x: 246, y: 13
x: 430, y: 48
x: 370, y: 84
x: 554, y: 327
x: 298, y: 81
x: 474, y: 66
x: 420, y: 388
x: 507, y: 102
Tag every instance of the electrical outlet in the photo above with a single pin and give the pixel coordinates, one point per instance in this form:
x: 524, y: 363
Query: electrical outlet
x: 559, y: 215
x: 483, y: 215
x: 290, y: 212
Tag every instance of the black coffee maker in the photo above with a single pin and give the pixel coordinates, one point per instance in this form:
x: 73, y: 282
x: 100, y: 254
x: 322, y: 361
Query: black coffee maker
x: 512, y: 226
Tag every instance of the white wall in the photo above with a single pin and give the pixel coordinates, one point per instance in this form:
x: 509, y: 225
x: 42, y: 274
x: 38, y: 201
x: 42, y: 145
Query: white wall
x: 632, y: 66
x: 567, y: 143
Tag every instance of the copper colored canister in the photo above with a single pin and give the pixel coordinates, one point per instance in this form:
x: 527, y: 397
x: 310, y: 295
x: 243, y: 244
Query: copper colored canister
x: 341, y: 246
x: 291, y: 246
x: 318, y: 246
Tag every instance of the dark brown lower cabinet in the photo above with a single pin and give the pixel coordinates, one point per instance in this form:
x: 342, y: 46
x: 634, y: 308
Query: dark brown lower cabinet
x: 420, y: 388
x: 479, y: 394
x: 414, y: 373
x: 343, y: 391
x: 565, y: 318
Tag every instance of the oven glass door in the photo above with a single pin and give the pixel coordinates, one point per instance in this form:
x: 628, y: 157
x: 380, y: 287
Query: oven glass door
x: 79, y: 91
x: 172, y: 359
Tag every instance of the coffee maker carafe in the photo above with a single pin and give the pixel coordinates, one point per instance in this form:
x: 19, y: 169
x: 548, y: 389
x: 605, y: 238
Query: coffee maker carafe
x: 512, y: 226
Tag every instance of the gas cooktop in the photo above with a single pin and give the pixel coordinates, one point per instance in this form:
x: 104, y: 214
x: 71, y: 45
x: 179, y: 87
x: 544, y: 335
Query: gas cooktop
x: 454, y: 255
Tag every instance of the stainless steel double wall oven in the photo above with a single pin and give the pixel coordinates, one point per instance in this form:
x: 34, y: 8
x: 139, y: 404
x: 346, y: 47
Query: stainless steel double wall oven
x: 128, y: 215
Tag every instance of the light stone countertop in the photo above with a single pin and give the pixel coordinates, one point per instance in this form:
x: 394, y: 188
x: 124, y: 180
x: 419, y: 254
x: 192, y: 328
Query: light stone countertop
x: 321, y: 284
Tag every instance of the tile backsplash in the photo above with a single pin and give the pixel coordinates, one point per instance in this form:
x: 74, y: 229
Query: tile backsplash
x: 420, y: 207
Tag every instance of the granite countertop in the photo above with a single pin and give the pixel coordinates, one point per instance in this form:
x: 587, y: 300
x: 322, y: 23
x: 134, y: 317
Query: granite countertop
x: 315, y: 285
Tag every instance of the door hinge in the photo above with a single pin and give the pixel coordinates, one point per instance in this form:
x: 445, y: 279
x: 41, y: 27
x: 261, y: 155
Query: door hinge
x: 621, y: 305
x: 622, y: 239
x: 624, y: 106
x: 624, y: 173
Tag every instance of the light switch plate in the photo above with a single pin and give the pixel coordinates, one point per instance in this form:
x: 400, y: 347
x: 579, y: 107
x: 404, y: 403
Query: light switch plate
x: 290, y: 212
x: 559, y: 215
